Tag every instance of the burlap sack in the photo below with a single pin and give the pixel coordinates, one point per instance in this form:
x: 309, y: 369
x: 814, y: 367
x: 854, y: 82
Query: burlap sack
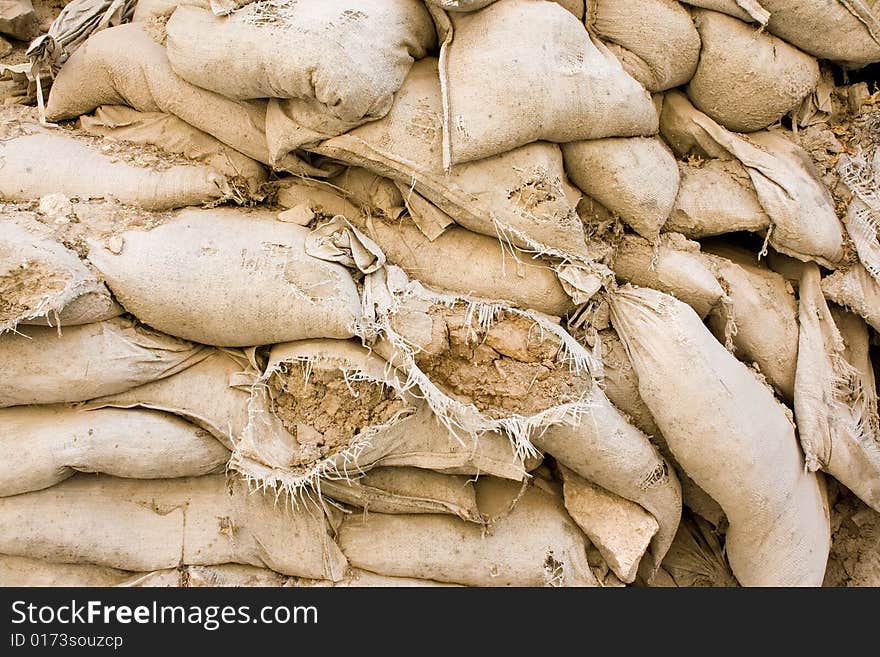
x: 856, y: 289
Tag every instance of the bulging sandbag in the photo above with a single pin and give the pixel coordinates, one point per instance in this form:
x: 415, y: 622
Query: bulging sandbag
x: 737, y: 441
x: 144, y: 525
x: 674, y: 266
x: 39, y: 366
x: 715, y: 197
x: 856, y: 289
x: 574, y: 89
x: 803, y: 220
x: 171, y: 134
x: 521, y: 196
x: 747, y: 79
x: 601, y: 446
x: 621, y: 530
x: 212, y: 394
x: 760, y: 321
x: 41, y: 280
x: 576, y: 7
x: 122, y: 65
x: 635, y: 177
x: 272, y: 289
x: 41, y: 446
x: 35, y: 165
x: 534, y: 544
x: 655, y: 40
x: 25, y: 571
x: 842, y: 31
x: 835, y: 403
x: 407, y: 490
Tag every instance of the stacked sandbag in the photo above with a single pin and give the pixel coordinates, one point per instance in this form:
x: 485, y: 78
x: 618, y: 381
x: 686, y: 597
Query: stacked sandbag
x: 439, y: 293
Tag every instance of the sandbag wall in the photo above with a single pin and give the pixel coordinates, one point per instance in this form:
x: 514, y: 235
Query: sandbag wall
x: 404, y: 293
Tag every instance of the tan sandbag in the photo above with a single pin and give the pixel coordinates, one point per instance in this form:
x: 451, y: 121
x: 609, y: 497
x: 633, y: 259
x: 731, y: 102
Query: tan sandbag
x: 696, y: 557
x: 462, y: 262
x: 171, y: 134
x: 803, y: 220
x: 272, y: 289
x: 39, y: 366
x: 535, y: 544
x: 122, y: 65
x: 835, y: 399
x: 35, y: 165
x: 760, y: 321
x: 575, y: 90
x: 357, y: 578
x: 635, y: 177
x: 407, y: 490
x: 737, y: 443
x: 845, y: 32
x: 41, y: 280
x: 212, y: 394
x: 147, y: 10
x: 602, y: 447
x: 29, y: 572
x: 576, y: 7
x: 41, y: 446
x: 856, y: 289
x: 674, y: 266
x: 621, y: 530
x: 747, y: 79
x: 165, y: 523
x: 521, y: 197
x: 715, y: 197
x: 660, y: 46
x: 18, y: 19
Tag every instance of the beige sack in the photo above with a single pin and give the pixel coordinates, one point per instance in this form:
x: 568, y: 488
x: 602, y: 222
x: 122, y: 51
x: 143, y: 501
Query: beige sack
x: 655, y: 40
x: 25, y: 571
x: 535, y: 544
x: 635, y: 177
x: 39, y: 366
x: 520, y: 197
x: 674, y: 266
x: 857, y: 290
x: 747, y: 79
x: 165, y: 523
x: 272, y: 289
x: 576, y: 7
x: 737, y: 441
x: 41, y: 446
x: 36, y: 165
x: 574, y: 90
x: 43, y: 282
x: 835, y: 399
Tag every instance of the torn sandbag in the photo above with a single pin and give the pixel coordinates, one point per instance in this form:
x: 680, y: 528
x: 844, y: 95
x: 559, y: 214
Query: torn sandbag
x: 272, y: 289
x: 39, y: 366
x: 856, y: 289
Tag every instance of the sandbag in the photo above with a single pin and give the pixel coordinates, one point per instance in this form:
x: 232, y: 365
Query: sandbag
x: 576, y: 7
x: 658, y: 44
x: 635, y: 177
x: 674, y: 266
x: 122, y: 65
x: 39, y: 366
x: 834, y: 402
x: 272, y: 289
x: 737, y: 442
x: 41, y: 446
x: 715, y: 197
x: 575, y: 90
x: 18, y: 19
x: 804, y: 224
x: 165, y: 523
x: 845, y: 32
x: 747, y: 79
x: 536, y: 544
x: 173, y: 135
x: 621, y: 530
x: 601, y: 446
x: 41, y: 280
x: 212, y: 394
x: 35, y: 165
x: 407, y: 490
x: 760, y: 321
x: 521, y: 197
x: 856, y: 289
x: 25, y: 571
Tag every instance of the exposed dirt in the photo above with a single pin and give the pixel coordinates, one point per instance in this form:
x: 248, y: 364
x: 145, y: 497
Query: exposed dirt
x: 855, y: 547
x: 324, y: 412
